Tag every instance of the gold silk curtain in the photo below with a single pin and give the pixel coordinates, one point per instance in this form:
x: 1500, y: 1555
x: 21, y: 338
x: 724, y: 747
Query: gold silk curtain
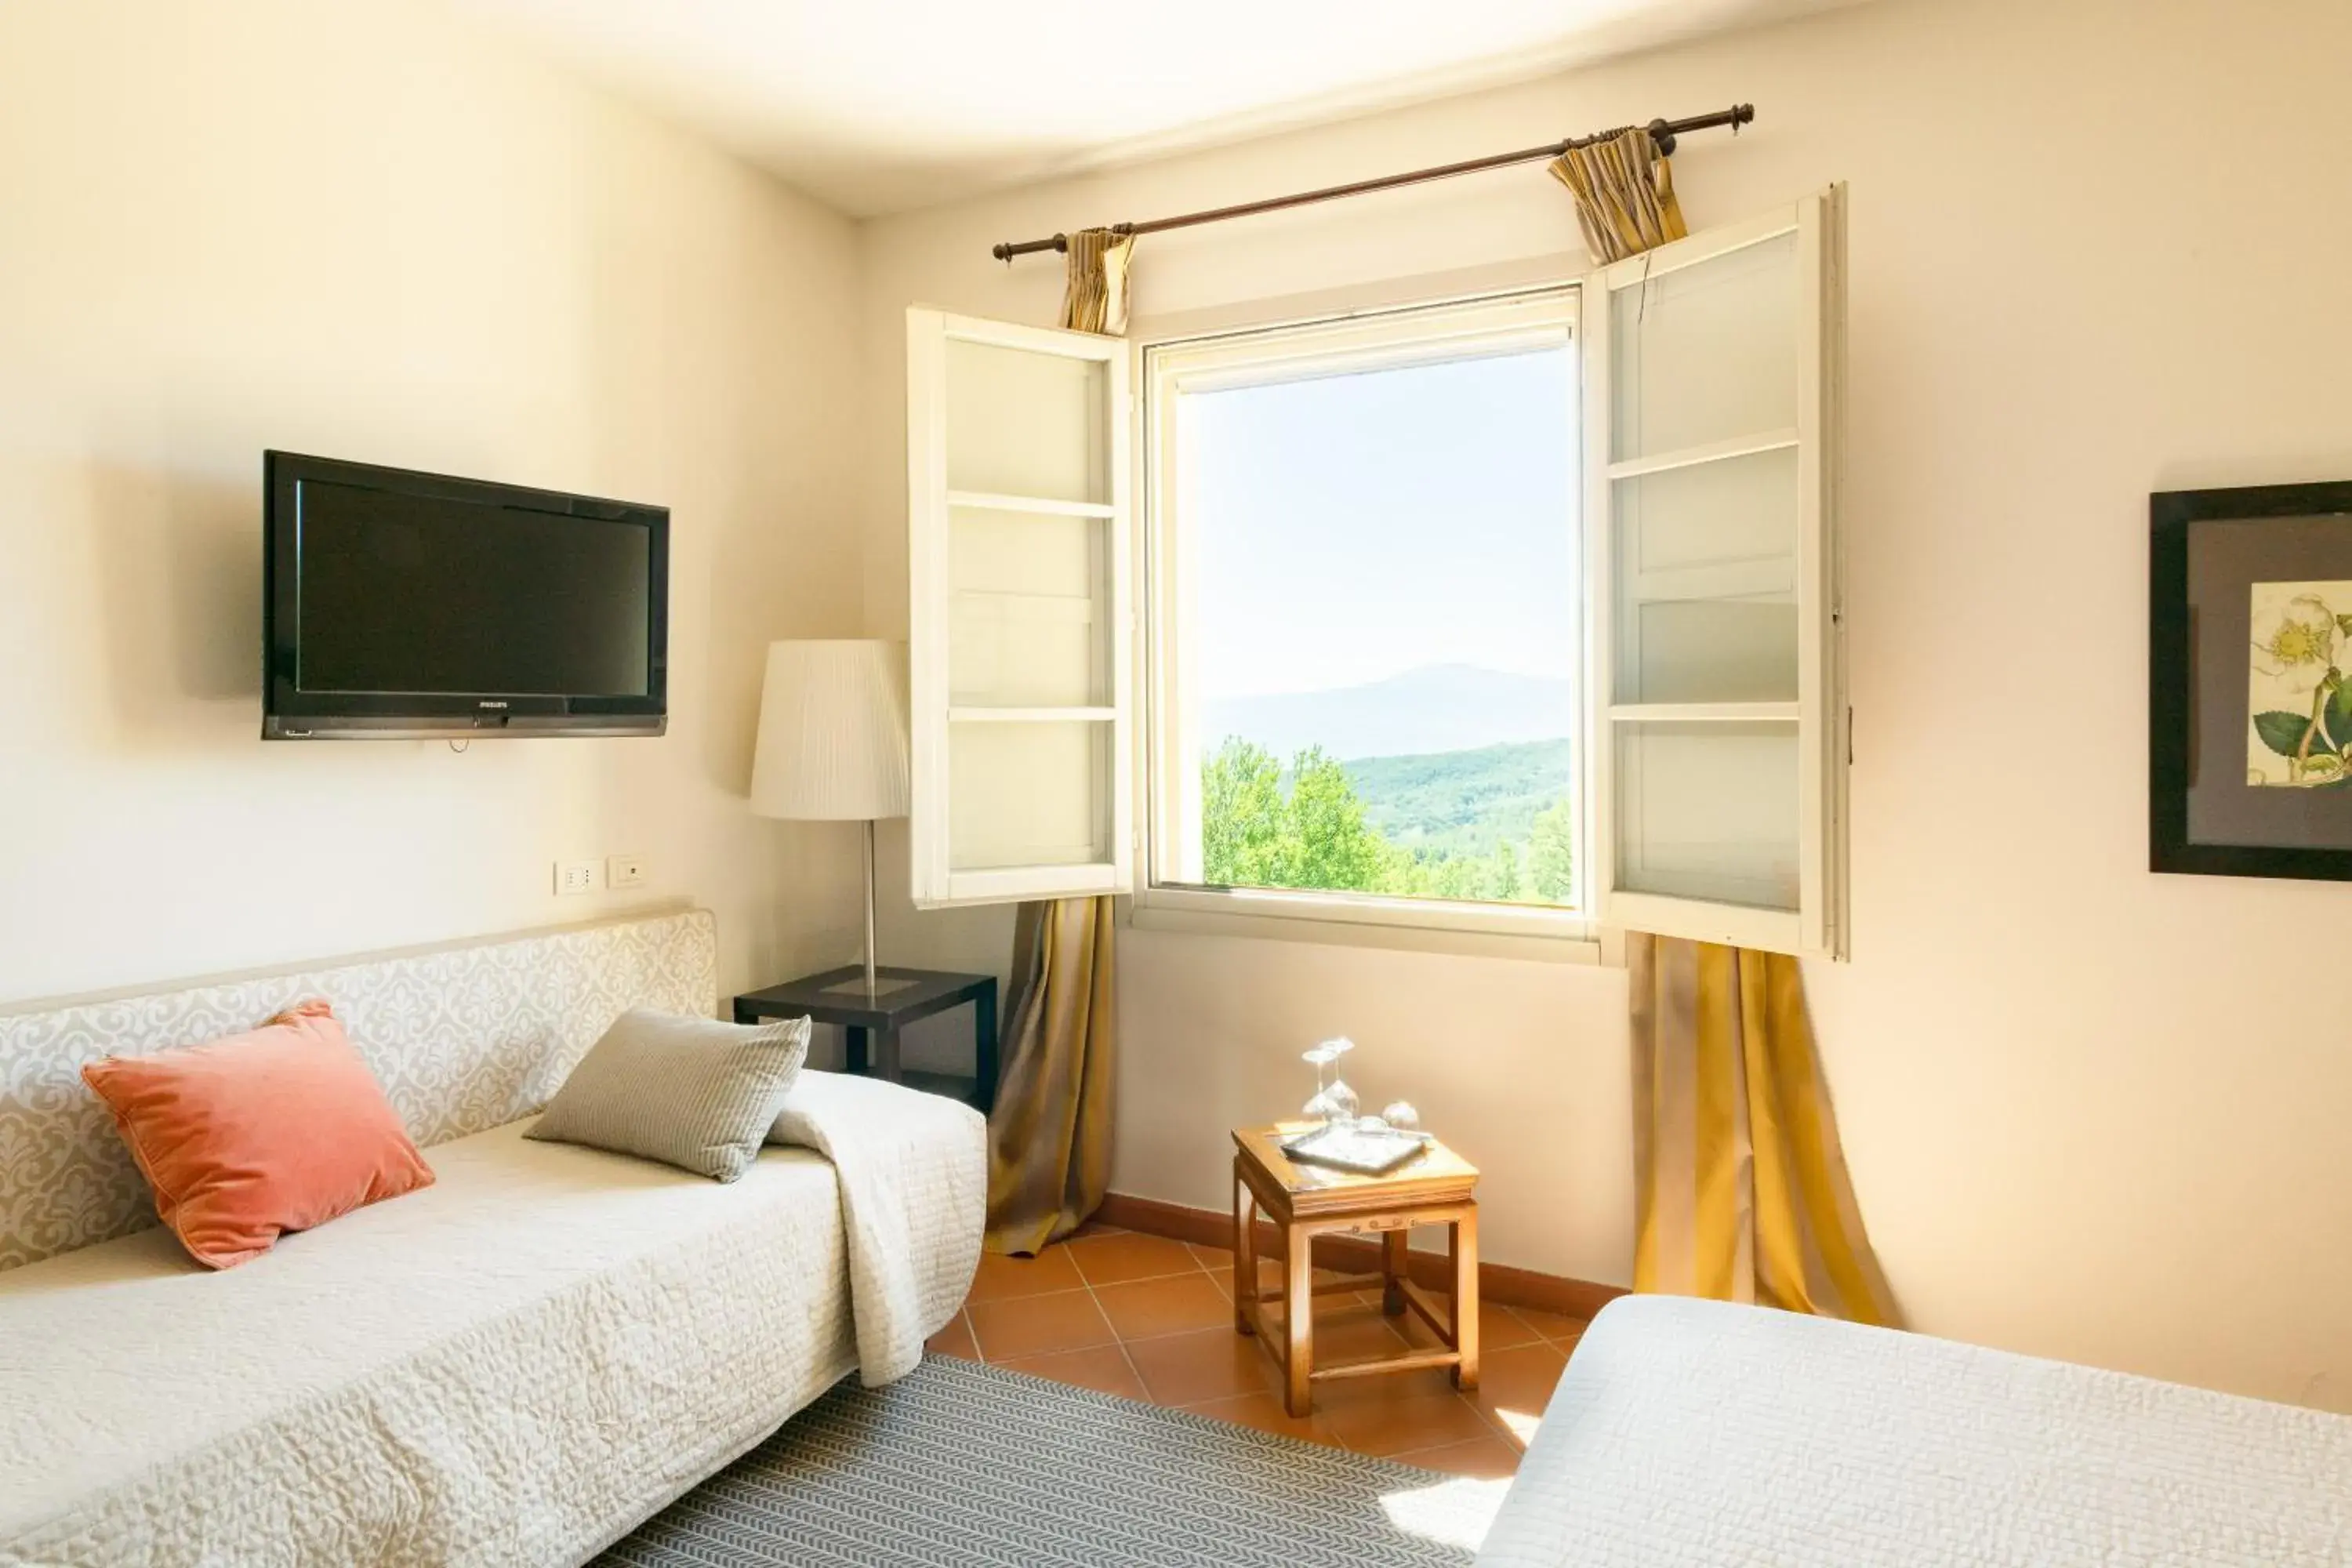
x: 1741, y: 1186
x: 1624, y: 195
x: 1095, y: 299
x: 1049, y: 1137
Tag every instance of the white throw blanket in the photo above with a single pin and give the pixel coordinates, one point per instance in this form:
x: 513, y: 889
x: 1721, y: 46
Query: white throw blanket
x: 913, y: 1249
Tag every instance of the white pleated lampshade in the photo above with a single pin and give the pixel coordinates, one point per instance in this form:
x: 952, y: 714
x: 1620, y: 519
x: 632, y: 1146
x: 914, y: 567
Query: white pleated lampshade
x: 833, y: 731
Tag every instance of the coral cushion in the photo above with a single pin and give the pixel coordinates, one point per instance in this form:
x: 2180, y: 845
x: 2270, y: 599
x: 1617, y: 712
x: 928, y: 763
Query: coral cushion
x: 248, y: 1137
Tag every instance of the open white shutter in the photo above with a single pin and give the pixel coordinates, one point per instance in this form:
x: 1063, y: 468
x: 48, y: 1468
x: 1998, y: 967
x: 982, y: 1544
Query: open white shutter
x: 1718, y: 705
x: 1018, y: 557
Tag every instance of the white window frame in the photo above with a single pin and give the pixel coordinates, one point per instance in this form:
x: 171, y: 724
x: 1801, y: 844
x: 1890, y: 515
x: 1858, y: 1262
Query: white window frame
x: 1277, y: 350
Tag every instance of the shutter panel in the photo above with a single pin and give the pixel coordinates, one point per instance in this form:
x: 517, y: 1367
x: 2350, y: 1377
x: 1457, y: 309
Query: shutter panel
x: 1019, y: 686
x: 1717, y: 685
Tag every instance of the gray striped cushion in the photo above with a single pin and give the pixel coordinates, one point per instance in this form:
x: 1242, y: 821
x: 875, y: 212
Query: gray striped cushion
x: 691, y: 1092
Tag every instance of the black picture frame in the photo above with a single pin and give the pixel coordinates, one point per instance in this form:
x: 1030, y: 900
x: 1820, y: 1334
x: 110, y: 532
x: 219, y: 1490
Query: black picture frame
x: 2173, y: 670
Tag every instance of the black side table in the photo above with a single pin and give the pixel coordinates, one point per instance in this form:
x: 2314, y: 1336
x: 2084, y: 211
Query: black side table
x: 904, y: 995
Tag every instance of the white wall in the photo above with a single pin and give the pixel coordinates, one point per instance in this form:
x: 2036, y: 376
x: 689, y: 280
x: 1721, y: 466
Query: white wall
x: 371, y: 231
x: 2098, y: 248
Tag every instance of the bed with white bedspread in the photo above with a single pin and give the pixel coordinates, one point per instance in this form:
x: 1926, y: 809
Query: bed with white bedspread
x: 515, y: 1365
x: 1694, y: 1432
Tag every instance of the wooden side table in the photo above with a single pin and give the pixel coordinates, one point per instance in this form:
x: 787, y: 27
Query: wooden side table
x: 838, y: 997
x: 1306, y: 1201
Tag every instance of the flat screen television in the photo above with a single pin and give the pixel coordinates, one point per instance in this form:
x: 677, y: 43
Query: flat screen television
x: 400, y: 604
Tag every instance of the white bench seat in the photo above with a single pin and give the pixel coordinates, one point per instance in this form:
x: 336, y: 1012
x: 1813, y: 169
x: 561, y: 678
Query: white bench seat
x: 514, y: 1366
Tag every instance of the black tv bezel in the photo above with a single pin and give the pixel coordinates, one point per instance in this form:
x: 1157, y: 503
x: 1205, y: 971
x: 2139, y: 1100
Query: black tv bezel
x: 289, y: 713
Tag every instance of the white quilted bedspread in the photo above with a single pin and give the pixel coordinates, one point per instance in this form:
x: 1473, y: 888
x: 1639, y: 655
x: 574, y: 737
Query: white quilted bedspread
x: 513, y: 1366
x: 1693, y: 1432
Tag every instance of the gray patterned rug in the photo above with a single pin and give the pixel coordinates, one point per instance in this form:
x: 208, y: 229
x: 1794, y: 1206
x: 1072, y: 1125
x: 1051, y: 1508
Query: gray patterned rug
x: 964, y: 1465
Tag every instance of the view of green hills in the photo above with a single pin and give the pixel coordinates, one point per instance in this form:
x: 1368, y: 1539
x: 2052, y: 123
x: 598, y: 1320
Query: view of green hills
x: 1460, y: 802
x: 1426, y: 815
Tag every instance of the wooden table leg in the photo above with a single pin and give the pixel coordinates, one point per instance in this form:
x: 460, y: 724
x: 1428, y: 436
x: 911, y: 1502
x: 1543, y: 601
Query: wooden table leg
x: 1396, y: 1267
x: 852, y: 1048
x: 1298, y: 1305
x: 1245, y: 1255
x: 1465, y: 1246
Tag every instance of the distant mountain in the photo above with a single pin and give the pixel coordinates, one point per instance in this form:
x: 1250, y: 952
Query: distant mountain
x: 1437, y: 707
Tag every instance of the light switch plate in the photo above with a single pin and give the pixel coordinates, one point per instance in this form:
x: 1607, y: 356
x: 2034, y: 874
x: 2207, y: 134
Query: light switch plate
x: 625, y: 871
x: 572, y: 877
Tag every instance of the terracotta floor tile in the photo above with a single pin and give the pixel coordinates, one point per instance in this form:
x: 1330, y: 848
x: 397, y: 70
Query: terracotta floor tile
x: 1269, y: 1276
x: 1515, y: 1384
x: 1485, y: 1458
x: 955, y: 1339
x: 1211, y: 1364
x: 1550, y: 1325
x: 1148, y: 1308
x: 1151, y: 1317
x: 1264, y: 1412
x: 1353, y: 1331
x: 1038, y: 1325
x: 1345, y: 1304
x: 1498, y: 1328
x: 1415, y: 1330
x: 1115, y: 1259
x: 1401, y: 1426
x: 1269, y: 1262
x: 1387, y: 1388
x: 1001, y: 1277
x: 1103, y: 1368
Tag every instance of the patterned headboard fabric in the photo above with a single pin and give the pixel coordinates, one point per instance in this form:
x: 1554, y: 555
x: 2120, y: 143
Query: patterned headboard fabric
x: 462, y: 1039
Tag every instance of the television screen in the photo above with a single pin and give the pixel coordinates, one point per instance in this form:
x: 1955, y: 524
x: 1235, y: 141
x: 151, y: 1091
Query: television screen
x: 412, y: 594
x: 402, y: 603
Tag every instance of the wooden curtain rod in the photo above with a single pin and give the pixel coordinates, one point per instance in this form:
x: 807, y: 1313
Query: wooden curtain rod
x: 1662, y: 131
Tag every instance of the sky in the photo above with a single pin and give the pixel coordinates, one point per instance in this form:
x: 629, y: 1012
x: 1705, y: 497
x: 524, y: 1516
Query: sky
x: 1354, y: 527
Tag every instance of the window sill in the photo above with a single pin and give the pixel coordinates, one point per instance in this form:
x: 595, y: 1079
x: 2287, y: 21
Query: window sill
x: 1541, y: 936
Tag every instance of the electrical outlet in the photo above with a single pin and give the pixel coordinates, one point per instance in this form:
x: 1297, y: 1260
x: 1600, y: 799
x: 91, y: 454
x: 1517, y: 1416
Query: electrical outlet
x: 625, y: 871
x: 575, y: 877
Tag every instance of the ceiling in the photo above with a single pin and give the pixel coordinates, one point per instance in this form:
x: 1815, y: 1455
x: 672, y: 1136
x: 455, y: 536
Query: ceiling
x: 886, y: 105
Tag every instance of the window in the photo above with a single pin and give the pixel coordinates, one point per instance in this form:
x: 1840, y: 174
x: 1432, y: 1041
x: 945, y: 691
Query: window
x: 1365, y: 570
x: 1512, y: 614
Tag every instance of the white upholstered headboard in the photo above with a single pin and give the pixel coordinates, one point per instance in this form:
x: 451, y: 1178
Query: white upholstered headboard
x: 463, y: 1038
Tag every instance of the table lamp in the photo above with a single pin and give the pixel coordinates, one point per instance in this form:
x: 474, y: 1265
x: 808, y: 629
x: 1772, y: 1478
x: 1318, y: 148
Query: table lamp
x: 832, y: 746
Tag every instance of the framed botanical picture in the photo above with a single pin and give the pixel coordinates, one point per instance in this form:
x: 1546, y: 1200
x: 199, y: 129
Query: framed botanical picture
x: 2250, y: 681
